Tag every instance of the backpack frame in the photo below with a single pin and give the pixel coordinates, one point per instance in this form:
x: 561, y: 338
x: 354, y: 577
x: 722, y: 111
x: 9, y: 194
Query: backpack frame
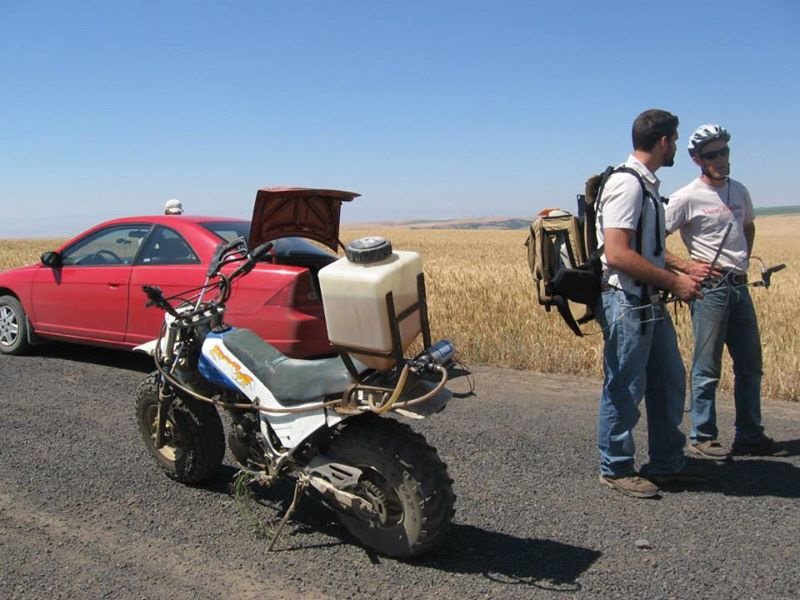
x: 564, y: 257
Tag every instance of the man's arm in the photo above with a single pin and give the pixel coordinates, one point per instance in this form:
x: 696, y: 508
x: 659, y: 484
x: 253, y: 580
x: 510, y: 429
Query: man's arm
x: 620, y: 255
x: 689, y: 266
x: 675, y: 262
x: 750, y: 236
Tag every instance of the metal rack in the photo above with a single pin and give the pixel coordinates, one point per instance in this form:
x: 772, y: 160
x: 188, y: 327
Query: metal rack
x: 394, y: 322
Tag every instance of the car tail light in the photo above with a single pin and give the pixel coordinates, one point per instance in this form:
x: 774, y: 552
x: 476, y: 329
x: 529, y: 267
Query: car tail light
x: 299, y: 292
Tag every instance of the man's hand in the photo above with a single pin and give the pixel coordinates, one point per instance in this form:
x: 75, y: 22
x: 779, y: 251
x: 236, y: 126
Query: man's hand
x: 701, y: 269
x: 686, y: 287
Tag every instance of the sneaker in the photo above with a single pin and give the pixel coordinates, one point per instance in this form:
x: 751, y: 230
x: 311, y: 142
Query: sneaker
x: 688, y: 474
x: 630, y: 485
x: 765, y: 446
x: 709, y: 450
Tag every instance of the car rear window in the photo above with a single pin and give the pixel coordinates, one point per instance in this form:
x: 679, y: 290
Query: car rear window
x: 284, y: 247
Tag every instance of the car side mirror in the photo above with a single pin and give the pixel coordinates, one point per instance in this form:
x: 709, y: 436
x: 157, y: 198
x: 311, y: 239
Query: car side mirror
x: 52, y: 259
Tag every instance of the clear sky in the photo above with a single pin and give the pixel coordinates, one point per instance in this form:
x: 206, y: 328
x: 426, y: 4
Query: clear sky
x: 429, y: 109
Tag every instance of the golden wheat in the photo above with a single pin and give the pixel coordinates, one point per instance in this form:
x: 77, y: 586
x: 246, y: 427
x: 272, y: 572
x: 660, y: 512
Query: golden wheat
x: 481, y: 296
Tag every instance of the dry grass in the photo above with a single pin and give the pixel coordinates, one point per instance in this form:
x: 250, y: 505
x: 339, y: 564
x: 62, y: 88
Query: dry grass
x: 482, y: 297
x: 15, y: 253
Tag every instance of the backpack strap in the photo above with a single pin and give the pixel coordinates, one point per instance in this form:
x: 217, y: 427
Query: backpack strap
x: 566, y: 314
x: 640, y: 224
x: 645, y: 195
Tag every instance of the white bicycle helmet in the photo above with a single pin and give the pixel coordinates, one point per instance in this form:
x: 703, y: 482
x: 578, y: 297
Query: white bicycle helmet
x: 705, y: 134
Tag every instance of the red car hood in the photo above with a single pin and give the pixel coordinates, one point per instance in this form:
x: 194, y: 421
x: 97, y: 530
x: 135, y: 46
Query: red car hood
x: 284, y: 212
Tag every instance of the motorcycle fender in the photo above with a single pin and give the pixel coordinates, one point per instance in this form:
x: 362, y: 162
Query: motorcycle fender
x: 429, y: 407
x: 148, y: 348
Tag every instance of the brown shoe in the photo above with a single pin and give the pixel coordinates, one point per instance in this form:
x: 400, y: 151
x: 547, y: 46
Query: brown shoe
x: 688, y: 474
x: 766, y: 446
x: 631, y: 485
x: 709, y: 450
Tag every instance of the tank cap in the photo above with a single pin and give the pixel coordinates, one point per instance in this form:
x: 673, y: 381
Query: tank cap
x: 368, y: 250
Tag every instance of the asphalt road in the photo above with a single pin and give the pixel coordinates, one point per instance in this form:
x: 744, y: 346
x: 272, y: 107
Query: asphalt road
x: 85, y: 512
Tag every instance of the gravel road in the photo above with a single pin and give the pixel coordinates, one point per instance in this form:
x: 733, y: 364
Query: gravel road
x: 85, y: 512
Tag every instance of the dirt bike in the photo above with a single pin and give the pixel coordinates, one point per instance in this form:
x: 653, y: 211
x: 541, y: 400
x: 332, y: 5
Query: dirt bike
x: 320, y: 423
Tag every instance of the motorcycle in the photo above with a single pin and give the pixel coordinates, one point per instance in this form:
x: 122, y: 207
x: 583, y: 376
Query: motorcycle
x: 320, y: 423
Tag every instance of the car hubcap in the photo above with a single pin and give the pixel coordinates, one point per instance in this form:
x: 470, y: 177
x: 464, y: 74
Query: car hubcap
x: 9, y: 326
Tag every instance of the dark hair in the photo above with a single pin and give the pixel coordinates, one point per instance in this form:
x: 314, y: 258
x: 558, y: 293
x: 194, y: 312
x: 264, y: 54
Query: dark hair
x: 651, y: 126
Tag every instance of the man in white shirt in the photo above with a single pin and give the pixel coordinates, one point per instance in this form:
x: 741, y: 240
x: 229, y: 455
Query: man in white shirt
x: 714, y: 215
x: 640, y: 354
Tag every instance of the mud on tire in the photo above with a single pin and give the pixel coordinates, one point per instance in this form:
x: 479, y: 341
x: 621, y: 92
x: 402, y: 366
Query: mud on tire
x: 195, y: 443
x: 404, y: 477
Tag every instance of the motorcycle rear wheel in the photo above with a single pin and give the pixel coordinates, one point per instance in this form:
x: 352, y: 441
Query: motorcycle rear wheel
x: 195, y: 442
x: 405, y: 481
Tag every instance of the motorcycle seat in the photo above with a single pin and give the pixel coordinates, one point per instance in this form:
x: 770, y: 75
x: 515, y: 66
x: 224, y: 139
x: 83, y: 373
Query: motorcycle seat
x: 291, y: 380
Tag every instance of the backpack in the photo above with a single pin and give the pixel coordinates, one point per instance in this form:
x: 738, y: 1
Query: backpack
x: 563, y: 255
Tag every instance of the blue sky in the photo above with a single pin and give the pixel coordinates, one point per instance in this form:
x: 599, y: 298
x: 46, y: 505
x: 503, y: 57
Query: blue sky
x: 434, y: 109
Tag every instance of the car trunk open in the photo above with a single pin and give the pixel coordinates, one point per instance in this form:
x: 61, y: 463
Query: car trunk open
x: 303, y: 212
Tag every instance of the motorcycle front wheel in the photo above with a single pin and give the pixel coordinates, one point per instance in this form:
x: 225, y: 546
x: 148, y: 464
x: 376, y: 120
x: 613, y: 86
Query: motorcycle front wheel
x: 403, y: 479
x: 195, y: 442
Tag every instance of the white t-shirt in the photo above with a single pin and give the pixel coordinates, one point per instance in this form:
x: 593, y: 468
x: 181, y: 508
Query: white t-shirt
x: 620, y: 207
x: 702, y: 212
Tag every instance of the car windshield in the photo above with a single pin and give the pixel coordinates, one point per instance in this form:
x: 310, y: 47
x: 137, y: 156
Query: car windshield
x: 284, y: 247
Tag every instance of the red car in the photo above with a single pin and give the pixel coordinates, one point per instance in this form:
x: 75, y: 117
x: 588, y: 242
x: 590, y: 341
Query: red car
x: 90, y: 290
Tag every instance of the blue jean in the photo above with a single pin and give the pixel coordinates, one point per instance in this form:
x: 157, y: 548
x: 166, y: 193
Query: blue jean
x: 637, y: 365
x: 724, y: 316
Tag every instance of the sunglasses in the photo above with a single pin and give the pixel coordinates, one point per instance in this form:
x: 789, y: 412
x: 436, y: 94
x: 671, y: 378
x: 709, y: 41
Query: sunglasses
x: 723, y: 152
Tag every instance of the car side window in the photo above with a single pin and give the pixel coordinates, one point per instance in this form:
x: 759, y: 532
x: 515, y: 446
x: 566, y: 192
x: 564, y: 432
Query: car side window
x: 167, y: 247
x: 107, y: 247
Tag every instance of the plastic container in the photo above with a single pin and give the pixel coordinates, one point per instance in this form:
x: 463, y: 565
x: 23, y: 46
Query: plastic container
x: 354, y: 299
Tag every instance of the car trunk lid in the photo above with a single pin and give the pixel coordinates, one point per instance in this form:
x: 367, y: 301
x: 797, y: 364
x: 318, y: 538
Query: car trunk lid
x: 305, y: 212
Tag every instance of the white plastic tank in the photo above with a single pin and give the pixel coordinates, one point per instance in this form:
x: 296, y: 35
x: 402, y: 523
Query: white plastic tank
x: 354, y: 292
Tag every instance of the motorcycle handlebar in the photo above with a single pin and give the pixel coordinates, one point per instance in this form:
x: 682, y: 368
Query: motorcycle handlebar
x: 219, y: 257
x: 156, y: 298
x: 252, y: 258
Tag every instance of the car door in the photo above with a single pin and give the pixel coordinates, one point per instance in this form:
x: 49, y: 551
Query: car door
x: 86, y: 297
x: 166, y: 260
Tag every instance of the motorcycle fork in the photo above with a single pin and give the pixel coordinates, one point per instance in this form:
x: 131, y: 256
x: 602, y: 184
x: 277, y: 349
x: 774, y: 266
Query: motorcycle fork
x: 164, y: 400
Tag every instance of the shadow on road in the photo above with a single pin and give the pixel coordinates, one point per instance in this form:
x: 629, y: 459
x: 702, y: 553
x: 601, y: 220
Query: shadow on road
x: 748, y: 477
x: 499, y: 557
x: 512, y: 560
x: 131, y: 361
x: 757, y: 477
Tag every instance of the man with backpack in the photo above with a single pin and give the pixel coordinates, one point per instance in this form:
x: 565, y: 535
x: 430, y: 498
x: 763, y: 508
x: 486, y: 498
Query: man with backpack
x: 714, y: 215
x: 640, y: 355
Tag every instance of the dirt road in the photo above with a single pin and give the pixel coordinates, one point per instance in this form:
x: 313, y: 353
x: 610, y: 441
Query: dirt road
x: 85, y: 513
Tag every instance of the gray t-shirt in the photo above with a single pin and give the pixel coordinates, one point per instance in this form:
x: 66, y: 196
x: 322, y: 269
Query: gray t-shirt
x: 620, y: 207
x: 702, y: 212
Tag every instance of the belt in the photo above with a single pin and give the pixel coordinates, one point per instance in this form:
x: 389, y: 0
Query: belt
x: 732, y: 278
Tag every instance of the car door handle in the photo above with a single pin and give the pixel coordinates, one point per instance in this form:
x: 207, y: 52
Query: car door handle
x: 115, y: 284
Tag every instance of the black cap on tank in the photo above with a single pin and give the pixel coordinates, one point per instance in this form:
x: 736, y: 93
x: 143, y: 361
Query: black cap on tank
x: 368, y: 250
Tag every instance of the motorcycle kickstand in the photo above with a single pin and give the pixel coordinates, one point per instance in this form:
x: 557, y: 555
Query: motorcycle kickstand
x: 299, y: 488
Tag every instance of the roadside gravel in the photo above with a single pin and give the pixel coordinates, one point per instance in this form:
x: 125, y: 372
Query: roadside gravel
x: 85, y: 512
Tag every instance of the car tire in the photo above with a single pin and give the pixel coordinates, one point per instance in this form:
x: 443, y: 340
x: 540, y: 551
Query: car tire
x: 13, y: 327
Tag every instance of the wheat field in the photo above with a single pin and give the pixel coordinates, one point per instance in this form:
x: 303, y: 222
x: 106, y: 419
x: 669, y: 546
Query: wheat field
x: 481, y: 296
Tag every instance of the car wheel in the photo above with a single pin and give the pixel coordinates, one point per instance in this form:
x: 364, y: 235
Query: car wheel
x: 13, y: 327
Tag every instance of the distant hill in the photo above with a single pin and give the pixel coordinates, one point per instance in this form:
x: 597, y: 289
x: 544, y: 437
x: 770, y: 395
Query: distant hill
x: 777, y: 210
x: 510, y: 222
x: 482, y: 223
